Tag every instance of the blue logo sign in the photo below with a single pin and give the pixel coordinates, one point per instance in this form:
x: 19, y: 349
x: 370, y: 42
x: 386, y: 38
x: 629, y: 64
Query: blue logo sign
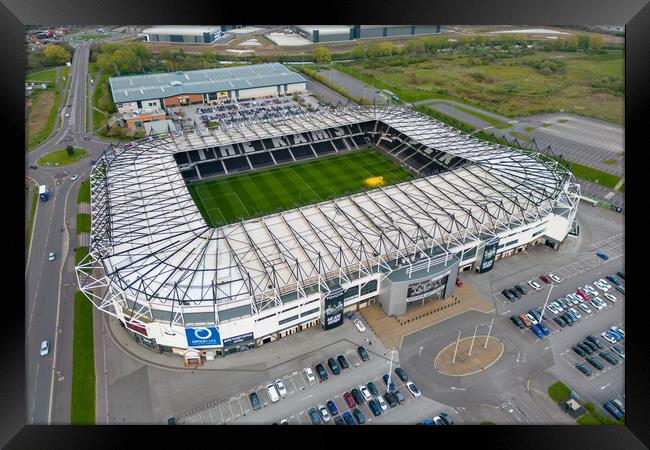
x: 203, y: 337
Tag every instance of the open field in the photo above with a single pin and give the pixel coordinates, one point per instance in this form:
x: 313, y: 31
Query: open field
x: 44, y: 76
x: 512, y: 85
x: 228, y: 199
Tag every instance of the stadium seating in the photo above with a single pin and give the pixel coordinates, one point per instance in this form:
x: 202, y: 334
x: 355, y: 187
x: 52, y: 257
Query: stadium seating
x: 239, y: 164
x: 302, y: 152
x: 282, y: 155
x: 322, y: 148
x: 210, y: 168
x: 261, y: 160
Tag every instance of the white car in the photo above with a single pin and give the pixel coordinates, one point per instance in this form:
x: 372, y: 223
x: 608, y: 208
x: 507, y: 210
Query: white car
x: 74, y: 177
x: 605, y: 283
x: 572, y: 299
x: 595, y: 304
x: 585, y: 308
x: 284, y: 422
x: 558, y: 306
x: 413, y: 389
x: 554, y: 277
x: 282, y: 390
x: 273, y: 393
x: 611, y: 298
x: 532, y: 319
x: 601, y: 286
x: 608, y: 338
x: 324, y: 413
x: 51, y: 256
x: 45, y: 348
x: 310, y: 375
x: 551, y: 307
x: 382, y: 403
x: 590, y: 290
x: 575, y: 313
x: 366, y: 393
x: 535, y: 285
x: 360, y: 326
x: 67, y: 115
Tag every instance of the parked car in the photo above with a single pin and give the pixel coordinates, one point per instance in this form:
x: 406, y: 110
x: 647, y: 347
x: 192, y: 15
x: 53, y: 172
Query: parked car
x: 535, y: 285
x: 591, y: 345
x: 551, y: 307
x: 521, y: 289
x: 349, y: 399
x: 358, y: 415
x: 515, y: 293
x: 336, y: 370
x: 613, y: 410
x: 363, y: 353
x: 309, y: 374
x: 614, y: 280
x: 602, y: 256
x: 608, y: 338
x: 365, y: 392
x: 273, y: 393
x: 74, y: 177
x: 618, y: 350
x: 620, y: 288
x: 585, y: 348
x: 525, y: 320
x: 255, y: 401
x: 314, y: 416
x: 595, y: 340
x: 615, y: 334
x: 374, y: 407
x: 611, y: 298
x: 596, y: 305
x: 544, y: 329
x: 595, y: 363
x: 619, y: 405
x: 324, y: 413
x: 45, y: 348
x: 360, y: 326
x: 284, y: 422
x: 331, y: 406
x: 342, y: 362
x: 619, y: 330
x: 388, y: 382
x: 554, y: 277
x: 459, y: 282
x: 372, y: 388
x: 381, y: 402
x: 578, y: 350
x: 537, y: 331
x: 609, y: 358
x: 559, y: 321
x: 445, y: 418
x: 338, y: 420
x: 392, y: 402
x: 585, y: 308
x: 347, y: 417
x: 413, y: 389
x: 506, y: 293
x: 531, y: 319
x: 402, y: 374
x: 51, y: 256
x: 584, y: 369
x: 583, y: 295
x: 575, y: 313
x: 568, y: 319
x: 438, y: 421
x: 358, y: 396
x: 517, y: 321
x: 621, y: 274
x: 545, y: 279
x: 282, y: 390
x: 322, y: 373
x: 398, y: 396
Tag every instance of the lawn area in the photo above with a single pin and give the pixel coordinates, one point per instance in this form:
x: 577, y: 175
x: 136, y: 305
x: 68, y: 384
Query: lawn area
x: 83, y: 223
x: 529, y: 129
x: 84, y: 192
x: 90, y: 37
x: 30, y: 223
x: 595, y: 175
x: 610, y: 162
x: 228, y: 199
x: 79, y: 254
x: 82, y: 410
x: 45, y: 76
x: 558, y: 391
x: 589, y: 84
x: 504, y: 126
x: 593, y: 417
x: 61, y: 157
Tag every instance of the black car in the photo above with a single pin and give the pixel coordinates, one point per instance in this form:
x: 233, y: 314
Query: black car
x: 578, y: 350
x: 595, y: 340
x: 569, y: 320
x: 609, y: 358
x: 582, y: 368
x: 506, y: 293
x: 559, y: 321
x: 255, y: 401
x: 322, y: 373
x: 517, y: 321
x: 398, y: 396
x: 358, y: 396
x: 363, y: 353
x: 445, y: 418
x: 373, y: 389
x: 342, y: 362
x: 338, y: 420
x: 585, y: 348
x: 392, y: 402
x: 521, y: 289
x: 402, y: 374
x: 591, y: 345
x: 542, y: 314
x: 359, y: 416
x: 336, y: 370
x: 33, y: 167
x: 514, y: 293
x: 594, y: 362
x: 535, y: 314
x: 374, y: 407
x: 621, y: 274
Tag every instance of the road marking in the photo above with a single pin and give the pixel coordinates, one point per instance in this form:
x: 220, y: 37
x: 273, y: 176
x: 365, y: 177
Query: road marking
x: 309, y: 396
x: 605, y: 386
x: 420, y: 352
x: 457, y: 389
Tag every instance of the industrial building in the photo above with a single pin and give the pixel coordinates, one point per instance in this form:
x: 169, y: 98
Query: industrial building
x: 186, y: 34
x: 163, y: 90
x: 181, y: 286
x: 335, y: 33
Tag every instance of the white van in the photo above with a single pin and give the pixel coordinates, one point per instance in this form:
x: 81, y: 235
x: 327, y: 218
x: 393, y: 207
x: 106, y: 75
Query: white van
x: 273, y: 393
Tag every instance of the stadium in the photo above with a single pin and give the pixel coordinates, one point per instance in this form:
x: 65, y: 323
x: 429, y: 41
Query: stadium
x: 219, y: 240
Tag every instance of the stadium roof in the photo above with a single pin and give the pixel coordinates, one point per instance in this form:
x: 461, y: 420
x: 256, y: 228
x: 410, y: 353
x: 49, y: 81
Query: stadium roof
x: 150, y: 240
x: 183, y: 29
x: 160, y: 85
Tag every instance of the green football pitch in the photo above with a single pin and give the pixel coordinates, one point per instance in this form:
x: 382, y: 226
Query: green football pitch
x: 231, y: 198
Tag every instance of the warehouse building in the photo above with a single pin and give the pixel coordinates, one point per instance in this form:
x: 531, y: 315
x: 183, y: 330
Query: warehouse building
x: 185, y: 34
x: 335, y: 33
x: 163, y: 90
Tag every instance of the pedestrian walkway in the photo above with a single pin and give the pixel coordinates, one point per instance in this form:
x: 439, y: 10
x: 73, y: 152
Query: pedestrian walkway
x: 391, y: 330
x: 83, y: 240
x: 83, y: 208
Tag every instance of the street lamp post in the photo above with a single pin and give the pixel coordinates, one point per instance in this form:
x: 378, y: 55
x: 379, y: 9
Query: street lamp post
x: 488, y: 335
x: 453, y: 361
x: 390, y: 369
x: 472, y: 344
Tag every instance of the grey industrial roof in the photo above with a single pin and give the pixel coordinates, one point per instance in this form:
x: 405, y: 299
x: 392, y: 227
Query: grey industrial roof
x: 326, y: 29
x: 160, y: 85
x: 182, y: 29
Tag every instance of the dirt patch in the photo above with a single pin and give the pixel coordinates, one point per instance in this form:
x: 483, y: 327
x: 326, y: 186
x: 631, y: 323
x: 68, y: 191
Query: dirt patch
x: 483, y: 355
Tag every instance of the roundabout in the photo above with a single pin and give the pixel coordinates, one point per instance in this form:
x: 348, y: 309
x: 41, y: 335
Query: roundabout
x: 482, y: 356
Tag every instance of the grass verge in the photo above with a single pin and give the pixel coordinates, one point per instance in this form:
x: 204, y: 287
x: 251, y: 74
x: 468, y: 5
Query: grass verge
x: 558, y: 391
x: 84, y: 192
x: 83, y: 223
x: 30, y: 224
x: 61, y: 157
x: 82, y: 411
x: 79, y: 254
x: 504, y: 126
x: 593, y: 417
x: 589, y: 174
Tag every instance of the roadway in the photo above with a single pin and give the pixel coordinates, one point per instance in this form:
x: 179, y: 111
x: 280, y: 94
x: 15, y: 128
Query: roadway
x: 50, y: 286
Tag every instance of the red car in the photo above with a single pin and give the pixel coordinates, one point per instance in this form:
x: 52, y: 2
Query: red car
x: 349, y: 400
x: 584, y: 296
x: 459, y: 282
x: 545, y: 279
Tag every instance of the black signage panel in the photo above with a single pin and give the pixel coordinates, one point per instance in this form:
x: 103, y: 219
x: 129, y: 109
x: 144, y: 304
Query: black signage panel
x: 237, y: 339
x: 333, y: 310
x: 489, y: 253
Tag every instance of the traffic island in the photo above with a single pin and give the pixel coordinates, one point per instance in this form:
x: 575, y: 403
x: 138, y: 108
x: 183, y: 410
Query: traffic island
x: 456, y: 360
x: 62, y: 157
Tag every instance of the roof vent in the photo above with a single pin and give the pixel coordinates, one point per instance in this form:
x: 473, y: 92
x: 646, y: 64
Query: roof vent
x: 175, y: 83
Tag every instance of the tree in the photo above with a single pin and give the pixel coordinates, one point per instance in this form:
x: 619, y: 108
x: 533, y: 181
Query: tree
x: 583, y: 41
x: 596, y: 42
x: 387, y: 48
x: 572, y: 43
x: 55, y: 54
x: 358, y: 52
x: 322, y: 55
x: 165, y: 54
x: 415, y: 46
x: 69, y: 150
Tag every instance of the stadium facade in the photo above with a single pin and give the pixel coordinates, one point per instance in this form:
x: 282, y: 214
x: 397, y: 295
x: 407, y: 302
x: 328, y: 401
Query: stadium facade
x: 181, y: 286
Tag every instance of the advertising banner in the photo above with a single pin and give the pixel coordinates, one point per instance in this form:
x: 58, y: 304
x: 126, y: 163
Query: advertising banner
x: 422, y: 289
x: 138, y: 328
x: 237, y: 339
x: 489, y: 253
x: 333, y: 310
x: 203, y: 337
